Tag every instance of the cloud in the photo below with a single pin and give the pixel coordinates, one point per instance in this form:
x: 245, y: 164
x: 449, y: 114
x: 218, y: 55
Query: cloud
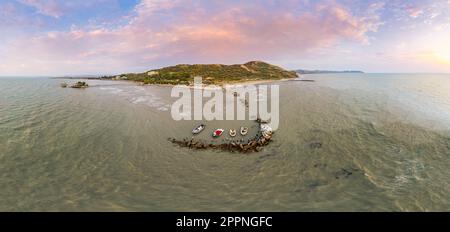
x: 50, y: 8
x: 59, y: 8
x: 415, y: 12
x: 13, y: 17
x: 163, y: 32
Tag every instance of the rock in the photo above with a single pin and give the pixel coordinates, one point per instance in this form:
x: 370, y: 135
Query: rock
x: 261, y: 139
x: 315, y: 145
x: 198, y: 145
x: 79, y: 85
x: 345, y: 173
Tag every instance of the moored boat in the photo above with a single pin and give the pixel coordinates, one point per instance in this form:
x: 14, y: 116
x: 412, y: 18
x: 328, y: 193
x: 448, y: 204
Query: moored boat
x: 198, y: 129
x: 217, y: 133
x: 266, y: 130
x: 265, y: 127
x: 244, y: 130
x: 266, y: 134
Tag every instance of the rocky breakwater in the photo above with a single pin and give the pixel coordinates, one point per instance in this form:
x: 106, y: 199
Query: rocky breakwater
x: 255, y: 144
x: 79, y: 85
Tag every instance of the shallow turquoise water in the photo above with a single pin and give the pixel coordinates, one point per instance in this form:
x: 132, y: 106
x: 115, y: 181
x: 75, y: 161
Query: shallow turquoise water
x: 385, y: 146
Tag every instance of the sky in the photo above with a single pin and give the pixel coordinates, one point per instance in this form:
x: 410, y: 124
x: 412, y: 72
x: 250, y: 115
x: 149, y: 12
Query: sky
x: 96, y: 37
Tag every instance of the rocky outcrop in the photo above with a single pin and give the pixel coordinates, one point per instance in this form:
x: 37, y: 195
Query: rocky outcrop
x: 80, y: 85
x: 263, y: 138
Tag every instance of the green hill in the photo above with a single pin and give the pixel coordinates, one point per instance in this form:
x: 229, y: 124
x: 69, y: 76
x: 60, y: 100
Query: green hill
x: 211, y: 73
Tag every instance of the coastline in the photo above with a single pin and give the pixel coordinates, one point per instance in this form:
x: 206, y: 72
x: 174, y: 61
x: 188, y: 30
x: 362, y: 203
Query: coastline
x: 252, y: 72
x: 221, y: 85
x: 204, y: 86
x: 130, y: 135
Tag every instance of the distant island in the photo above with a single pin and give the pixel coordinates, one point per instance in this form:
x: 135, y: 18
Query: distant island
x: 303, y: 71
x: 217, y: 74
x: 183, y: 74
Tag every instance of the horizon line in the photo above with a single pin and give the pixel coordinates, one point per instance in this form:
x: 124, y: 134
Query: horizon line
x: 100, y: 75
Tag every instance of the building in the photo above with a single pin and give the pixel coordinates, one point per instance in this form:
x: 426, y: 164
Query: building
x: 153, y: 73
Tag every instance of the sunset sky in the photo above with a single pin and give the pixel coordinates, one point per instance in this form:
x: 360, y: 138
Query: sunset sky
x: 58, y: 37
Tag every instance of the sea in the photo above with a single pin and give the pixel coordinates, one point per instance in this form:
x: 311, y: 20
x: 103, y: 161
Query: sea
x: 345, y: 142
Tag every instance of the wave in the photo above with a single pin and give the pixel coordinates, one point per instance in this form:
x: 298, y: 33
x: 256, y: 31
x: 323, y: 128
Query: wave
x: 139, y: 96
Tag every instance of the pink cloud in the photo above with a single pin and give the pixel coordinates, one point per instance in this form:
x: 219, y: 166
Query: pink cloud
x: 166, y: 32
x: 414, y: 12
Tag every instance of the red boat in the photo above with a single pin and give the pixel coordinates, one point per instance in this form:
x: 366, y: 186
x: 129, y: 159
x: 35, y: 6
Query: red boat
x: 217, y: 133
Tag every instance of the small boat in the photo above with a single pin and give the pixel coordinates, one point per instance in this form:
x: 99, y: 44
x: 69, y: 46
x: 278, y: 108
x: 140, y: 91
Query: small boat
x: 198, y: 129
x: 232, y: 132
x: 217, y: 133
x: 265, y: 127
x: 266, y: 134
x: 64, y: 85
x: 266, y: 130
x: 244, y: 130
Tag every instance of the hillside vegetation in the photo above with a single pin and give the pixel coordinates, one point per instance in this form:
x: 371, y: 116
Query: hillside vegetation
x: 211, y: 73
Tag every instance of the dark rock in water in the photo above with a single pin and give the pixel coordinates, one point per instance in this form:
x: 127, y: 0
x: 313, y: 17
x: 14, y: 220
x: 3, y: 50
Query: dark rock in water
x: 313, y: 185
x: 346, y: 173
x: 79, y: 85
x: 315, y: 145
x: 320, y: 165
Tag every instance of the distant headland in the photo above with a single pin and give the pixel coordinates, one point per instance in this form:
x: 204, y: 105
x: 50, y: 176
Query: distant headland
x: 303, y: 71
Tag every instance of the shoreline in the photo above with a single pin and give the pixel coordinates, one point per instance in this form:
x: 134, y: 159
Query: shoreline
x: 204, y: 86
x: 221, y: 85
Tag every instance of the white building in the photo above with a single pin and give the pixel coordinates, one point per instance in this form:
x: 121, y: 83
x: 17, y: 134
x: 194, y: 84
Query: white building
x: 152, y: 73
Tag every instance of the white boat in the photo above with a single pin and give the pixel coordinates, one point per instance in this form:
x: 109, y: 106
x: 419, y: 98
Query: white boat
x: 266, y: 131
x: 244, y: 130
x: 267, y: 134
x: 232, y: 132
x: 198, y: 129
x: 265, y: 127
x: 217, y: 133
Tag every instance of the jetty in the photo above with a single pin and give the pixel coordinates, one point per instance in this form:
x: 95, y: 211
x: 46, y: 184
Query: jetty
x: 255, y: 144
